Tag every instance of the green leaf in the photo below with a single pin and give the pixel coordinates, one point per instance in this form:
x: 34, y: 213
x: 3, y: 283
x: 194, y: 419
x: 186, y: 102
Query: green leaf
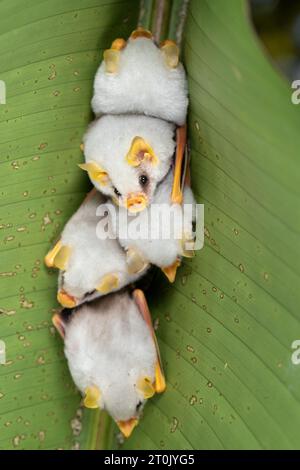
x: 227, y: 325
x: 49, y: 52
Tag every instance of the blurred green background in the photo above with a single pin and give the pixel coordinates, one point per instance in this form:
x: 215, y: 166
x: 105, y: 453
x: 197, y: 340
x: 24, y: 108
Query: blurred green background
x: 278, y: 24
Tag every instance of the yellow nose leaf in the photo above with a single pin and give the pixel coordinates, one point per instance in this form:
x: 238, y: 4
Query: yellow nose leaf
x: 126, y: 427
x: 146, y: 387
x: 171, y: 53
x: 136, y: 202
x: 92, y: 397
x: 108, y: 283
x: 111, y: 59
x: 95, y: 172
x: 139, y: 151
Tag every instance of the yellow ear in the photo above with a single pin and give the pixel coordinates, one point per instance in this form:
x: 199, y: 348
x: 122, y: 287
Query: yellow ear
x: 58, y: 256
x: 111, y: 60
x: 92, y: 397
x: 62, y: 257
x: 146, y: 387
x: 49, y: 258
x: 96, y: 172
x: 108, y: 283
x: 118, y: 44
x: 139, y: 151
x: 171, y: 53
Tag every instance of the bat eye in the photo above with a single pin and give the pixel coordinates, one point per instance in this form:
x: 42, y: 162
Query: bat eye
x: 138, y: 405
x: 89, y: 293
x: 117, y: 193
x: 143, y: 179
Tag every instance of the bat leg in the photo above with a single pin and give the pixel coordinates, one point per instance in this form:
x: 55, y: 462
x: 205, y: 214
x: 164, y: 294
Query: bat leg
x: 140, y: 299
x: 160, y: 381
x: 177, y: 194
x: 59, y: 324
x: 170, y: 271
x: 135, y: 261
x: 142, y: 304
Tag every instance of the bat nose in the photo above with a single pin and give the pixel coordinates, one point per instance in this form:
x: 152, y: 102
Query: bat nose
x: 136, y: 202
x: 65, y: 299
x: 126, y: 427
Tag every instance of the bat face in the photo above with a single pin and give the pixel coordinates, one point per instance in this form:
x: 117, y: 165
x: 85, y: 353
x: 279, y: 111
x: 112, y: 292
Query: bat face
x: 138, y: 77
x: 162, y: 251
x: 112, y: 357
x: 127, y: 156
x: 89, y: 267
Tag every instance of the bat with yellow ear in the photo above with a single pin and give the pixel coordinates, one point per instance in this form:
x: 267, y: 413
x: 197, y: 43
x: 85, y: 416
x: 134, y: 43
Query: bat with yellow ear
x: 126, y: 157
x: 119, y: 87
x: 167, y: 224
x: 89, y: 266
x: 119, y: 381
x: 181, y: 179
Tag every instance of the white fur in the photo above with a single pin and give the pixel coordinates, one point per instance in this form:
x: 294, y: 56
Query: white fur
x: 90, y: 258
x: 161, y: 252
x: 107, y: 142
x: 143, y: 85
x: 109, y: 345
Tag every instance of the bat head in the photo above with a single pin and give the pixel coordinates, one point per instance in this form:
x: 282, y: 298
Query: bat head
x: 127, y: 156
x: 137, y: 76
